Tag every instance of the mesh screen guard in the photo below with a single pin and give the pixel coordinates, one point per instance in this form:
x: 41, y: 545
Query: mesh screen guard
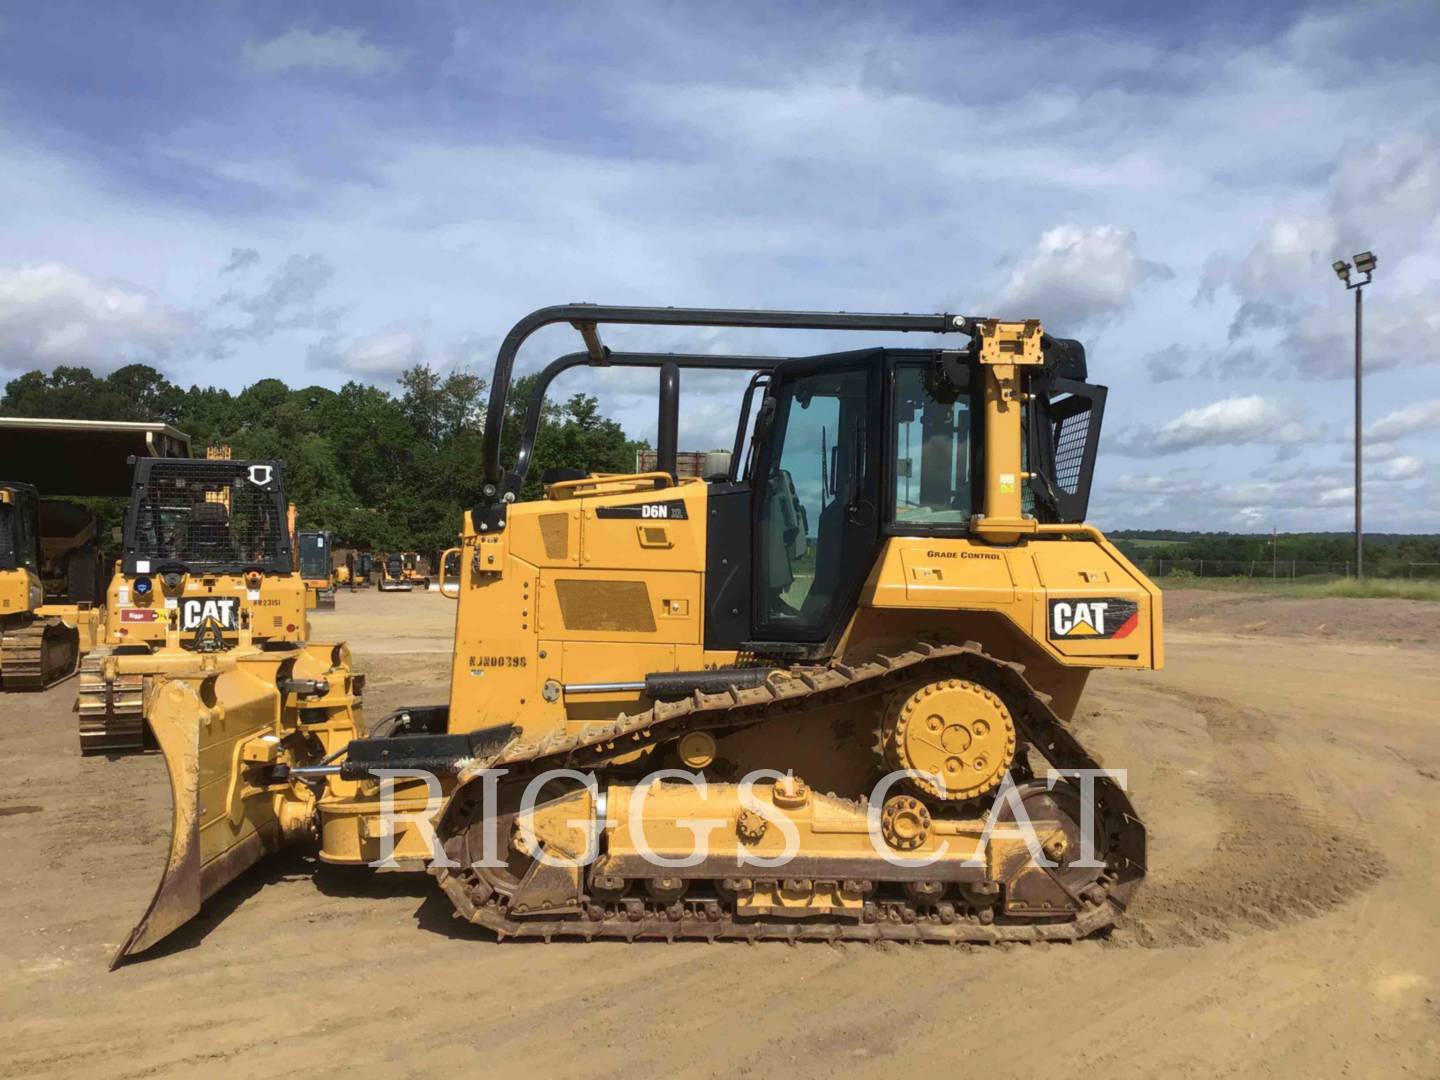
x: 212, y: 516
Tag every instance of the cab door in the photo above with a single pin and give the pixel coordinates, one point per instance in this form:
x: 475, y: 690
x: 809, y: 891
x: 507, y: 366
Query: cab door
x: 816, y: 495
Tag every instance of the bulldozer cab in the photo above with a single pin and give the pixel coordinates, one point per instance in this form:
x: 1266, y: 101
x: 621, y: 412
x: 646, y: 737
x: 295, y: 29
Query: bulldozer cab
x: 315, y: 556
x: 19, y: 548
x: 850, y: 449
x: 202, y: 516
x: 317, y: 560
x: 207, y: 543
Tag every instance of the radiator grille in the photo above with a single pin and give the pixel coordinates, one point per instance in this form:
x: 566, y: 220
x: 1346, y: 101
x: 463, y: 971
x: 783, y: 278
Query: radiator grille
x: 605, y: 605
x: 555, y: 534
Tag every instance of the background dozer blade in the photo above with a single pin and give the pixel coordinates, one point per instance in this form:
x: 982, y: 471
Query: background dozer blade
x: 221, y: 822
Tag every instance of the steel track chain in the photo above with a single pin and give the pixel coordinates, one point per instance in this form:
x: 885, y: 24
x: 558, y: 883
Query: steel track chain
x: 789, y: 691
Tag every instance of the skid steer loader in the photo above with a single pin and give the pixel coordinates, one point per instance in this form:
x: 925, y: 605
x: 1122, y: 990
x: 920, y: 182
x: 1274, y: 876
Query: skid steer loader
x: 208, y: 570
x: 824, y: 696
x: 391, y: 570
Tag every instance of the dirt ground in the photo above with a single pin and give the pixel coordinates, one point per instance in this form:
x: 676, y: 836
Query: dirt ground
x: 1285, y: 762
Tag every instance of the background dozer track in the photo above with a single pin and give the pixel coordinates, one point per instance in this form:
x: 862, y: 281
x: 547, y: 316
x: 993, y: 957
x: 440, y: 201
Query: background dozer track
x: 37, y: 654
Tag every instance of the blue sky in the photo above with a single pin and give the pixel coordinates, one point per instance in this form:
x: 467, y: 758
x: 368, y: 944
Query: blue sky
x: 324, y: 192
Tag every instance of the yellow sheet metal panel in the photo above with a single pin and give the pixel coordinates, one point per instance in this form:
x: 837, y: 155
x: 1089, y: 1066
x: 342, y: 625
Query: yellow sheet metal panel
x: 955, y: 574
x: 662, y: 529
x: 19, y: 591
x: 495, y: 677
x: 1053, y: 591
x: 621, y: 606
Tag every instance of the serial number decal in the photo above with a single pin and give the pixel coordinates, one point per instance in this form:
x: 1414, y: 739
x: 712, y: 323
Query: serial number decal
x: 498, y: 661
x: 670, y: 510
x: 1099, y: 617
x: 266, y: 603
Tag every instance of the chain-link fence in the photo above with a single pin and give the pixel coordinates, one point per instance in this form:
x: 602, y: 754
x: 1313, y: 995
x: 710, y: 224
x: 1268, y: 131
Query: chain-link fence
x: 1287, y: 569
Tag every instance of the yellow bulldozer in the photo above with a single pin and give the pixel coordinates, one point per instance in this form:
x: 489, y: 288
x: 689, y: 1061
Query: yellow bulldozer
x: 52, y: 591
x: 208, y: 569
x: 823, y: 696
x: 45, y: 625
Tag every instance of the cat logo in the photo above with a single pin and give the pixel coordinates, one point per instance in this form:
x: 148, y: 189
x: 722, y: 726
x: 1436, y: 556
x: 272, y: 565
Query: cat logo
x: 260, y: 475
x: 195, y: 613
x: 1102, y: 617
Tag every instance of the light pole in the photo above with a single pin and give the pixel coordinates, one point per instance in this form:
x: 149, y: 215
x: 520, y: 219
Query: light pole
x: 1364, y: 264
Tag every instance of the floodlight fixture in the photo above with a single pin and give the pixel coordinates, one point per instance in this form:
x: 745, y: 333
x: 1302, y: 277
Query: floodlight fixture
x: 1342, y: 270
x: 1365, y: 262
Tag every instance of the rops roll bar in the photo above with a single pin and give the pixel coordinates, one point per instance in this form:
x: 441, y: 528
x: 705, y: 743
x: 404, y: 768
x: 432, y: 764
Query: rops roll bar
x: 587, y: 318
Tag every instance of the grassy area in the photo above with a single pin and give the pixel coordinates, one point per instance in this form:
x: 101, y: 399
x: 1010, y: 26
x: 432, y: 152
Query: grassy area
x: 1371, y: 587
x: 1148, y: 547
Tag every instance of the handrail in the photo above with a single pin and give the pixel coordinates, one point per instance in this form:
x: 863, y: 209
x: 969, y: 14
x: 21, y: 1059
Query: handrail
x: 444, y: 557
x: 662, y: 480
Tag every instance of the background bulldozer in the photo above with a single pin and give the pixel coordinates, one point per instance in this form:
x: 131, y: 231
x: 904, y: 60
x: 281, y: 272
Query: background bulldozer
x: 52, y: 590
x: 867, y: 638
x: 42, y: 632
x: 208, y: 567
x: 317, y: 567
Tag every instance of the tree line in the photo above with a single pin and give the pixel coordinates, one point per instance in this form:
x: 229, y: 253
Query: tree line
x: 381, y: 470
x: 1385, y: 553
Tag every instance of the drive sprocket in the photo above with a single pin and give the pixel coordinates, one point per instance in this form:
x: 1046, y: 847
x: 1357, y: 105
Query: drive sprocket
x: 954, y: 729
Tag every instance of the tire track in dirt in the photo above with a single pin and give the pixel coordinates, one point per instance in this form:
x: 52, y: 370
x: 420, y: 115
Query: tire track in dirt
x: 1278, y: 858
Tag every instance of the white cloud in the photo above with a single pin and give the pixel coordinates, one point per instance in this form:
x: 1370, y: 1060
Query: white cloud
x: 1235, y: 421
x: 383, y: 355
x: 339, y: 50
x: 1421, y: 416
x: 1381, y: 194
x: 1402, y: 468
x: 51, y: 314
x: 1077, y: 277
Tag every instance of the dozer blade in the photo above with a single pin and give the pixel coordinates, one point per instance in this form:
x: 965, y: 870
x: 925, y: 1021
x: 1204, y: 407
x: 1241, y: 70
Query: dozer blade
x: 223, y: 820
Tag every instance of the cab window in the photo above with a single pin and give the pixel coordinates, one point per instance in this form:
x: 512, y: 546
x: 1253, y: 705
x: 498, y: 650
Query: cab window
x: 934, y: 448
